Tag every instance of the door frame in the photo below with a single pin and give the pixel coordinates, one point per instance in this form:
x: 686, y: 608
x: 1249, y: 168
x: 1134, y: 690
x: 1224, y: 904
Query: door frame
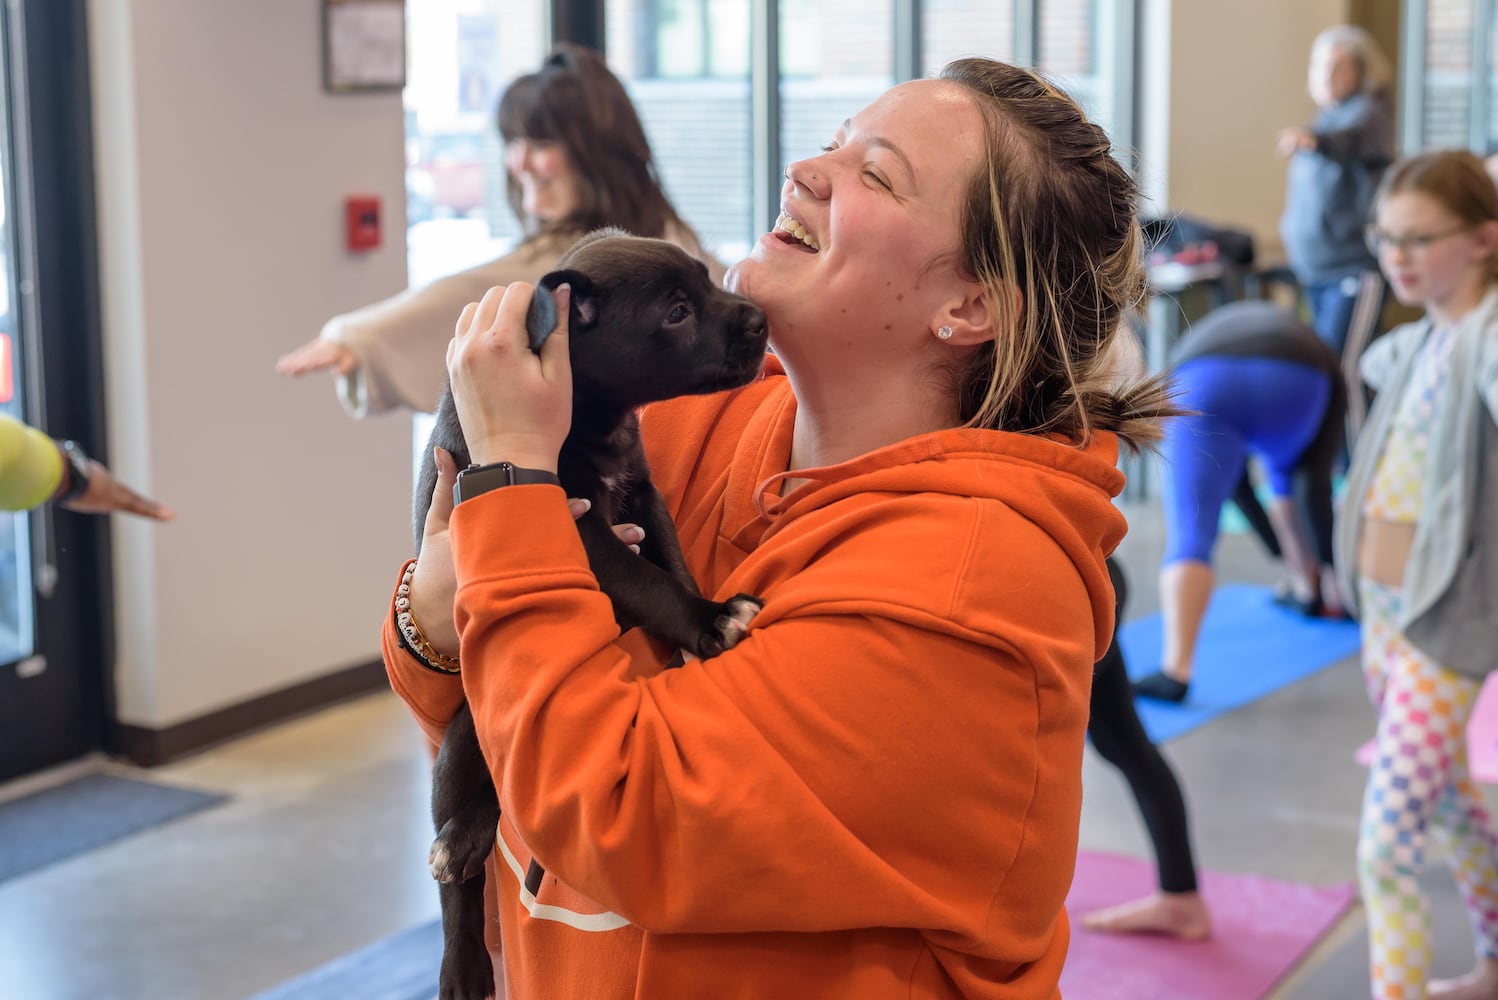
x: 57, y: 264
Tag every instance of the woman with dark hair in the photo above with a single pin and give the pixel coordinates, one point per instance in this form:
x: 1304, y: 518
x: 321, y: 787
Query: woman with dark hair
x: 877, y: 792
x: 576, y: 158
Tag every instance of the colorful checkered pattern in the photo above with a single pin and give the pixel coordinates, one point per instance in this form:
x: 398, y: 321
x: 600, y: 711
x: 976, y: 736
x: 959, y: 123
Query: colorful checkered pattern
x: 1418, y: 780
x: 1397, y: 490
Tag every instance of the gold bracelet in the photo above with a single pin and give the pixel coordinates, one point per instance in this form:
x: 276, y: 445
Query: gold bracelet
x: 415, y: 640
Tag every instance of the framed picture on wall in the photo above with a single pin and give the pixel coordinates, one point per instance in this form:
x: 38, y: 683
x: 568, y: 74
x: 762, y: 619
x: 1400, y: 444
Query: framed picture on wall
x: 364, y: 45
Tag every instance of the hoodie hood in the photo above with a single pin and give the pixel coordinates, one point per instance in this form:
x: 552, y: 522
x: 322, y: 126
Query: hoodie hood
x: 1033, y: 488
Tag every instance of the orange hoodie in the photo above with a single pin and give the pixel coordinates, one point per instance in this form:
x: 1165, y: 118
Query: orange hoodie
x: 876, y: 794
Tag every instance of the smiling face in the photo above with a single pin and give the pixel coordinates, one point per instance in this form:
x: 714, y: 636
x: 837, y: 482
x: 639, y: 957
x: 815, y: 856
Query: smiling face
x: 1442, y: 263
x: 864, y: 254
x: 550, y: 189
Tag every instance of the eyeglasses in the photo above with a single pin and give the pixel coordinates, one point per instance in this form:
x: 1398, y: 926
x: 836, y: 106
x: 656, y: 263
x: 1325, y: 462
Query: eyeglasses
x: 1415, y: 245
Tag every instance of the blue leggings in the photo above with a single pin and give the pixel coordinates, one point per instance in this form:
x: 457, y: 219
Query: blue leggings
x: 1264, y: 406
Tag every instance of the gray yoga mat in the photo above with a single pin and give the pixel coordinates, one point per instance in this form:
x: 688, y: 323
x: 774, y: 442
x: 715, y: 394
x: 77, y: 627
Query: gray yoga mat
x: 83, y: 814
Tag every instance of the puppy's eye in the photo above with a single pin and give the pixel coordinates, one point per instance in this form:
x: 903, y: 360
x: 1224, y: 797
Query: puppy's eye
x: 679, y: 314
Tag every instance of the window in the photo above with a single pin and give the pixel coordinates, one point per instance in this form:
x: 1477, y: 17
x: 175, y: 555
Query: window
x: 689, y: 67
x: 685, y: 64
x: 1448, y: 84
x: 460, y: 56
x: 951, y: 29
x: 681, y: 39
x: 834, y: 59
x: 1449, y: 76
x: 1080, y: 50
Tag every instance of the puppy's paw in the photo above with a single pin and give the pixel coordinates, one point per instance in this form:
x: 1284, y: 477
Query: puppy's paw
x: 466, y: 975
x: 457, y: 855
x: 738, y: 613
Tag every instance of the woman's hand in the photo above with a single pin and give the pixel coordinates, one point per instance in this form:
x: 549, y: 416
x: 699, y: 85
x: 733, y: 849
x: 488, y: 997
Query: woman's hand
x: 315, y: 356
x: 514, y: 405
x: 434, y: 584
x: 1293, y: 140
x: 630, y: 534
x: 106, y: 495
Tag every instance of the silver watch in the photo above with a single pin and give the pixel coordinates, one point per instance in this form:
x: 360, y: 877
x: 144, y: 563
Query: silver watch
x: 78, y: 468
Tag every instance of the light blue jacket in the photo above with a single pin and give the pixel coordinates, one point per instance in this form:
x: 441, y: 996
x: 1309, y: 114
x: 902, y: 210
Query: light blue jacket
x: 1451, y: 581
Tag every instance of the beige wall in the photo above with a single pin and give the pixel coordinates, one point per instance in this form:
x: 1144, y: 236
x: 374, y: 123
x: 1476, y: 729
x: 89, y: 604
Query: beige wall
x: 222, y: 165
x: 221, y: 168
x: 1222, y: 78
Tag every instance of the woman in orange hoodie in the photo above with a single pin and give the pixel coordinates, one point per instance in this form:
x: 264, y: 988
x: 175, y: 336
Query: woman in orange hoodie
x: 877, y: 792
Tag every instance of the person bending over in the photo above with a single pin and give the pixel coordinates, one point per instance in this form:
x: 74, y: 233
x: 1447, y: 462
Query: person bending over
x: 1256, y: 381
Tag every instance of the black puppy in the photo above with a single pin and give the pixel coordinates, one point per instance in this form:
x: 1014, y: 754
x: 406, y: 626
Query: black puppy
x: 646, y: 323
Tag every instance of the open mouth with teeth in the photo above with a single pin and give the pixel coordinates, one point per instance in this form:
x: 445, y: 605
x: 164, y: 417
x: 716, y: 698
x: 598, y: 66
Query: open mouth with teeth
x: 789, y: 231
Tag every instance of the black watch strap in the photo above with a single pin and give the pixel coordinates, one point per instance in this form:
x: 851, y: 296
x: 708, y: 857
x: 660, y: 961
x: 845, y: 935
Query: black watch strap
x: 478, y: 479
x: 78, y: 462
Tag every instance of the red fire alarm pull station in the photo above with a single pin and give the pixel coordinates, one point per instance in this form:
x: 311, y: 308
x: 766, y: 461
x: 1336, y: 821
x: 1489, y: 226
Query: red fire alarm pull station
x: 362, y: 215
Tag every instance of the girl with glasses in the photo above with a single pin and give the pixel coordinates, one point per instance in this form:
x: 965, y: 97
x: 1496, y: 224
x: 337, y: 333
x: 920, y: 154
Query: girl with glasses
x: 1415, y: 546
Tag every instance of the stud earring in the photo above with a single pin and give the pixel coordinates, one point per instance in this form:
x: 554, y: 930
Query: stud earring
x: 944, y: 332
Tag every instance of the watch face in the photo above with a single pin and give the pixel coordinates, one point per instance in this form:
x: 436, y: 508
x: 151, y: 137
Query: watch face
x: 478, y: 479
x: 78, y: 462
x: 481, y: 479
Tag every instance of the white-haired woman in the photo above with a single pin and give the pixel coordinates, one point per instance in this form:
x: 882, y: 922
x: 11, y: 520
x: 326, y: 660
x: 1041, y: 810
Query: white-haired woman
x: 1335, y: 166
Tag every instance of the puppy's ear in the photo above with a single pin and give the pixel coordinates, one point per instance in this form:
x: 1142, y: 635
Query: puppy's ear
x: 584, y: 310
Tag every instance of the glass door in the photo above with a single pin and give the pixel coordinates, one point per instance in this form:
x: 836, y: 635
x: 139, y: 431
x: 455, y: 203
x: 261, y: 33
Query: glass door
x: 17, y: 593
x: 56, y: 635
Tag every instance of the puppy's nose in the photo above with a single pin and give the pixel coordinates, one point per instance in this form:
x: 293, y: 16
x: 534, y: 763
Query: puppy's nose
x: 752, y: 321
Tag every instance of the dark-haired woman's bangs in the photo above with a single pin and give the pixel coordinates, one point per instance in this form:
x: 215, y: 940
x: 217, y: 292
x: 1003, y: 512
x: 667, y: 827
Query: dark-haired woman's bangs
x: 523, y: 114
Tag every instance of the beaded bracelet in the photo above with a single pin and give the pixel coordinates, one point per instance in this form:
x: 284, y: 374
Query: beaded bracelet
x: 413, y: 639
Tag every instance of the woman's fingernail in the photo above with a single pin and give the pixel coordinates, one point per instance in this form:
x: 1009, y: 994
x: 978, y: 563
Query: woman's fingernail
x: 634, y: 534
x: 579, y: 506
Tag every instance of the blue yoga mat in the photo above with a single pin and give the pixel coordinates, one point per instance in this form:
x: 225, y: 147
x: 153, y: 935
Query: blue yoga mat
x: 402, y: 967
x: 1248, y: 647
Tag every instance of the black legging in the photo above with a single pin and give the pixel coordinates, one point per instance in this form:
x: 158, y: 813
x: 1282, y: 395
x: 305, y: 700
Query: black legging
x: 1119, y: 736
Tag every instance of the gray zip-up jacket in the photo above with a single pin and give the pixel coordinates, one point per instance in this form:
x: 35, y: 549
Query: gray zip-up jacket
x: 1451, y: 581
x: 1329, y: 190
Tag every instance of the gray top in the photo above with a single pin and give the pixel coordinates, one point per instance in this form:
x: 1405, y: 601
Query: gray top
x: 1329, y: 192
x: 1451, y: 581
x: 1255, y: 329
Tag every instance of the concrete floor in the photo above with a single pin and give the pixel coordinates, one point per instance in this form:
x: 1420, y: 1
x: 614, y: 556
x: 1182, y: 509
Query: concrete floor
x: 322, y: 847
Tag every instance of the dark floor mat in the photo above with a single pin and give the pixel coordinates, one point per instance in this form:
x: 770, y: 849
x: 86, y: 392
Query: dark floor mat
x: 88, y: 812
x: 402, y: 967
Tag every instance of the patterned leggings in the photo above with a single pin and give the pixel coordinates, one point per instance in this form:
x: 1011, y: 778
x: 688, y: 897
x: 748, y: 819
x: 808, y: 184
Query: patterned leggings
x: 1419, y: 778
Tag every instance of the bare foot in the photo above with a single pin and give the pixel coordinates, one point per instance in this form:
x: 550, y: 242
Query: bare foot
x: 1479, y: 984
x: 1181, y: 915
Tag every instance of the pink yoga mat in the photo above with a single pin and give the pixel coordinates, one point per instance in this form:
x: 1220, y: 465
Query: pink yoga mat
x: 1482, y: 737
x: 1261, y: 928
